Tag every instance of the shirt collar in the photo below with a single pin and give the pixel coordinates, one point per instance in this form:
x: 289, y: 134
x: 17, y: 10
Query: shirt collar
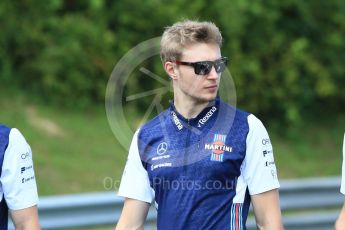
x: 199, y: 121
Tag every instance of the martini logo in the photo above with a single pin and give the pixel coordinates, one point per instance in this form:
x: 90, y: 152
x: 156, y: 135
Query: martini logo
x: 218, y: 147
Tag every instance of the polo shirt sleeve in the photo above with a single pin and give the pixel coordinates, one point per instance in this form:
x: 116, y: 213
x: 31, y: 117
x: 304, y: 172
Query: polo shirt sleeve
x: 18, y: 176
x: 342, y: 188
x: 259, y: 168
x: 135, y: 181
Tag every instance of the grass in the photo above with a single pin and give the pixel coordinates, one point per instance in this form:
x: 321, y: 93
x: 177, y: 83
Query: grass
x: 312, y: 149
x: 75, y: 150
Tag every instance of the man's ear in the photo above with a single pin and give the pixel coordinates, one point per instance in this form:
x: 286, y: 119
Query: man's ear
x: 171, y: 70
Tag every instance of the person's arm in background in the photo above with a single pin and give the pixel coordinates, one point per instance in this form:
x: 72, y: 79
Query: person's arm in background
x: 19, y: 183
x: 260, y: 174
x: 267, y: 210
x: 135, y: 187
x: 340, y: 223
x: 25, y: 219
x: 133, y: 215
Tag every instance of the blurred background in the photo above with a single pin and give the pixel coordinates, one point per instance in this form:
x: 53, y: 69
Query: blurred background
x: 286, y: 59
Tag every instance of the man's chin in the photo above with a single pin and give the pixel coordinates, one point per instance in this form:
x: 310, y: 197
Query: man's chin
x: 207, y: 98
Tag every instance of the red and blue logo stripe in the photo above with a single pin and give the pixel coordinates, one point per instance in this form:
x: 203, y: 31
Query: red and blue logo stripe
x: 236, y: 222
x: 217, y: 155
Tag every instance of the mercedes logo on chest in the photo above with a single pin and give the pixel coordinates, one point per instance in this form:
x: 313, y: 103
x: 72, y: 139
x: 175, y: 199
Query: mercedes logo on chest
x: 162, y: 148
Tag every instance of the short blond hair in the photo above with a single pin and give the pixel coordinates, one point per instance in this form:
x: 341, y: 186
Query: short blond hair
x: 184, y: 33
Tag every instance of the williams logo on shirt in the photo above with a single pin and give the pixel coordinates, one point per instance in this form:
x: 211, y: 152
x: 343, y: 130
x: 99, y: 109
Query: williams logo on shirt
x: 218, y: 148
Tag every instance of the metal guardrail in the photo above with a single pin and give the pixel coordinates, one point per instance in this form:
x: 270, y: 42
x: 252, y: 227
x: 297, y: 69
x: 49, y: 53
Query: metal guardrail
x: 311, y: 203
x: 306, y: 204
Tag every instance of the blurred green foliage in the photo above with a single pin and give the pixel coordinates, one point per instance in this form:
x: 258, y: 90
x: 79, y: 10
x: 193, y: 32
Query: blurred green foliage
x: 286, y: 57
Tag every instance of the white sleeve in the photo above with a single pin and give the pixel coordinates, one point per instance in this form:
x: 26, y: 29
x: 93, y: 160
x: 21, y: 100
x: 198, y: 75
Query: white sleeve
x: 259, y: 169
x: 18, y: 177
x: 342, y: 188
x: 135, y: 181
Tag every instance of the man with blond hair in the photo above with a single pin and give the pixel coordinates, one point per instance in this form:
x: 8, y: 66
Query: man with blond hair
x: 201, y: 161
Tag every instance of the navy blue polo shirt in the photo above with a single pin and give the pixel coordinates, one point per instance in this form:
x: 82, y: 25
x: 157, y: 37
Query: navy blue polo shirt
x: 200, y: 172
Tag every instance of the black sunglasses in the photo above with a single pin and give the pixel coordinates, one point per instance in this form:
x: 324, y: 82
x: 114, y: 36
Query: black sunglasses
x: 205, y: 67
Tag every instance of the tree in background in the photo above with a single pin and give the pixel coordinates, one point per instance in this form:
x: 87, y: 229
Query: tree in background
x: 286, y: 57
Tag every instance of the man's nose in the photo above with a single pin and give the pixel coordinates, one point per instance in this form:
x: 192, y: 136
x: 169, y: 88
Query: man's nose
x: 213, y: 74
